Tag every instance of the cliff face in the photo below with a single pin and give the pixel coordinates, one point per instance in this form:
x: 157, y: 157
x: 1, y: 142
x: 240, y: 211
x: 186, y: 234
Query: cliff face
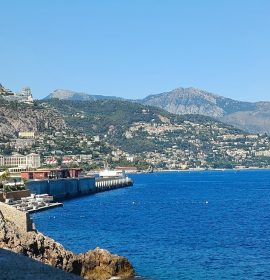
x: 20, y: 117
x: 97, y: 264
x: 186, y: 101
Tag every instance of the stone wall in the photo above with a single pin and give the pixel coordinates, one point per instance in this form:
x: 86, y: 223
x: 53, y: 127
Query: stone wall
x: 17, y: 195
x: 20, y: 219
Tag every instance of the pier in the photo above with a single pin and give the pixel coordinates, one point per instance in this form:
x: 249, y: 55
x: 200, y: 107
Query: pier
x: 105, y: 184
x: 62, y: 188
x: 65, y: 183
x: 43, y: 193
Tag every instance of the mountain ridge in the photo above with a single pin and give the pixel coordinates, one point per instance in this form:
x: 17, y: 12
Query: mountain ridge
x: 65, y: 94
x: 163, y: 139
x: 115, y: 130
x: 251, y: 116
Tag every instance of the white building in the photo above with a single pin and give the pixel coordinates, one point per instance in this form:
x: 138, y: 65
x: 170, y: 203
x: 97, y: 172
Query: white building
x: 263, y: 153
x: 17, y: 160
x: 24, y: 96
x: 27, y: 134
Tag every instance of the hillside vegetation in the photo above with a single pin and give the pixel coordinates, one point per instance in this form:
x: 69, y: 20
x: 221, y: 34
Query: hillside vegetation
x: 249, y: 116
x: 161, y: 138
x: 127, y: 133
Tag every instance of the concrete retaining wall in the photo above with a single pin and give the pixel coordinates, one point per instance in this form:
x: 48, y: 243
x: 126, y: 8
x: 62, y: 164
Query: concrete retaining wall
x: 38, y: 188
x: 63, y: 188
x: 86, y: 186
x: 20, y: 219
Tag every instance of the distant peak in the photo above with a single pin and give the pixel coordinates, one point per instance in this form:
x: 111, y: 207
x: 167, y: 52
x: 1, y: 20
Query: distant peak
x: 66, y: 94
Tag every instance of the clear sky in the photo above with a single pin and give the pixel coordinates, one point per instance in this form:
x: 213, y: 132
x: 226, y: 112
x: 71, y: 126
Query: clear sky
x: 132, y: 48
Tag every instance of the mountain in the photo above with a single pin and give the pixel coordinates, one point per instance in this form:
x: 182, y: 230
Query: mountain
x: 118, y: 131
x: 64, y: 94
x: 162, y: 139
x: 253, y: 117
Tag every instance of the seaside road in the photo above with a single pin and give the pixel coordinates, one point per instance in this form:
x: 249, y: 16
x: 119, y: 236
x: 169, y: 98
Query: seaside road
x: 18, y: 267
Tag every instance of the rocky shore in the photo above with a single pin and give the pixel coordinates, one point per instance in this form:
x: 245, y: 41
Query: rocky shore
x: 97, y: 264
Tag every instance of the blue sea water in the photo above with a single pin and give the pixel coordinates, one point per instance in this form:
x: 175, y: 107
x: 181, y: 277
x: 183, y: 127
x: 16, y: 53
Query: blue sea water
x: 185, y: 225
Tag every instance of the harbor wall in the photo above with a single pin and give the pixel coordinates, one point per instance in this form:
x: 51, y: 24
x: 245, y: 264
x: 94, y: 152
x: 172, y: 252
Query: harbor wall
x: 21, y: 219
x: 63, y: 188
x: 86, y: 186
x: 105, y: 184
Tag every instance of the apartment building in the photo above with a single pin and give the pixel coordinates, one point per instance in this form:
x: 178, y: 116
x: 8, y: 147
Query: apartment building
x: 18, y: 160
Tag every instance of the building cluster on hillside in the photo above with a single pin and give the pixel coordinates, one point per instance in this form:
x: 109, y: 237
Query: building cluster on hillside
x: 211, y: 146
x: 179, y: 146
x: 23, y: 96
x: 64, y: 148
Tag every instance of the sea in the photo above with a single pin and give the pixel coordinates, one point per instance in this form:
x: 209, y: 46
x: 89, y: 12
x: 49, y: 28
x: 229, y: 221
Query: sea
x: 175, y: 225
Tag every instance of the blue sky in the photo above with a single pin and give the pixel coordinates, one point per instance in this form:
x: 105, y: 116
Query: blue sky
x: 132, y: 48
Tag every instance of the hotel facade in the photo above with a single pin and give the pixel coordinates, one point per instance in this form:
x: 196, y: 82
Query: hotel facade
x: 17, y: 160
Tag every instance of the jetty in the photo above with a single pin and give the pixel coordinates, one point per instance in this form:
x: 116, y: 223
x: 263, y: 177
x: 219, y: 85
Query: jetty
x: 46, y: 187
x: 65, y: 183
x: 112, y: 179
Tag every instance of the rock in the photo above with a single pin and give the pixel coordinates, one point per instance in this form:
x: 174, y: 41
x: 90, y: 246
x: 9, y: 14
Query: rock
x: 101, y: 264
x: 249, y: 116
x: 20, y: 117
x: 96, y: 264
x: 18, y: 267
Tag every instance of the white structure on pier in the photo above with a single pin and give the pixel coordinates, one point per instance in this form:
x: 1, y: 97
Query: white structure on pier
x: 112, y: 179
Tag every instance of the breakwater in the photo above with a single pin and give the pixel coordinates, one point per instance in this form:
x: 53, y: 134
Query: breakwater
x: 63, y: 188
x: 105, y: 184
x: 72, y: 187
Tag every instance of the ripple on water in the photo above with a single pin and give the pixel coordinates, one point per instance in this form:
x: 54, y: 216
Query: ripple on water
x: 190, y: 225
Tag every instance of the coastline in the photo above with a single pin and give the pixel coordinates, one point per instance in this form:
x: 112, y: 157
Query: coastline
x: 199, y: 170
x: 18, y: 235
